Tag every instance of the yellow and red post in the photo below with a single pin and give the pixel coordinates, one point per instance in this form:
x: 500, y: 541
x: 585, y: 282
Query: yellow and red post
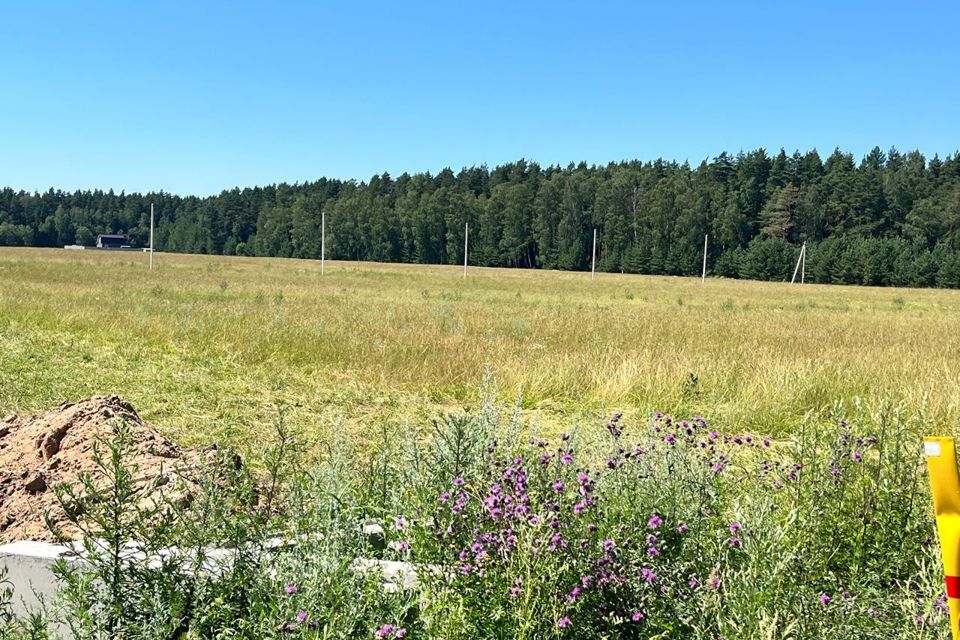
x: 941, y: 456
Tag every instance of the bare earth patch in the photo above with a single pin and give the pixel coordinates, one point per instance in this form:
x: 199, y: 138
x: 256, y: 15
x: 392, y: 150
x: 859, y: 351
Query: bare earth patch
x: 40, y: 451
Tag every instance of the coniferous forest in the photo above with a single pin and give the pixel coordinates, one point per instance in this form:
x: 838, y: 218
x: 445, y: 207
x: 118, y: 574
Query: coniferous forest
x: 888, y: 219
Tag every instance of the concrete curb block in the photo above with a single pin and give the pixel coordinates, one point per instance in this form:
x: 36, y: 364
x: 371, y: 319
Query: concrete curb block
x: 29, y: 569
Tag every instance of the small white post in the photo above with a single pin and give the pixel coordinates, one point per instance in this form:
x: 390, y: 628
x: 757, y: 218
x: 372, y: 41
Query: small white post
x: 466, y: 246
x: 593, y: 259
x: 703, y: 276
x: 323, y: 240
x: 151, y: 235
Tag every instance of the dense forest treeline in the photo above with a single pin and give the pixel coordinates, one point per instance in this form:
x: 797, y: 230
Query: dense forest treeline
x: 890, y: 219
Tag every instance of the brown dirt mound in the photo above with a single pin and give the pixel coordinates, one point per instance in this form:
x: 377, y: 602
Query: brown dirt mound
x: 39, y: 452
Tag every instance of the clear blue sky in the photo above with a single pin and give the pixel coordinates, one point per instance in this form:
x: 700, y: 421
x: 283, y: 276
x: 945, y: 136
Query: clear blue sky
x: 195, y: 97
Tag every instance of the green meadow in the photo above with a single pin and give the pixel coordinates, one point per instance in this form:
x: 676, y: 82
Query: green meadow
x: 216, y: 348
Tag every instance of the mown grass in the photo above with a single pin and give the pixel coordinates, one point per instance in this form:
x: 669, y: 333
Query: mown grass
x: 211, y: 348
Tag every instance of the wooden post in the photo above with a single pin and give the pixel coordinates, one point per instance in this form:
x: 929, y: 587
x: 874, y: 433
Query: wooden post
x: 323, y: 240
x: 466, y: 246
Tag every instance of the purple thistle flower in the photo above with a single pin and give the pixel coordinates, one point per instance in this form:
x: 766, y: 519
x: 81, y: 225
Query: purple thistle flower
x: 566, y: 459
x: 579, y: 507
x: 290, y: 588
x: 683, y: 528
x: 302, y: 616
x: 558, y: 486
x: 825, y: 599
x: 654, y: 521
x: 608, y: 545
x: 637, y: 616
x: 735, y: 541
x: 384, y: 631
x: 445, y: 496
x: 735, y: 526
x: 653, y: 552
x: 766, y: 442
x: 458, y: 481
x: 941, y: 604
x: 564, y: 622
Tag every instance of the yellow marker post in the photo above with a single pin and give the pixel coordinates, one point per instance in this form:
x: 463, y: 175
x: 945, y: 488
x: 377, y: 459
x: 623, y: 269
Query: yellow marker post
x: 945, y: 485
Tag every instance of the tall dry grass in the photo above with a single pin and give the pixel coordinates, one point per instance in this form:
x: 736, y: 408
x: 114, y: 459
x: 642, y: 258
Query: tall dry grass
x: 204, y: 345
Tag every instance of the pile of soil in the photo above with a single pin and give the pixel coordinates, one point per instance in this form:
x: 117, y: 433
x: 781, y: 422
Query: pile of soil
x: 41, y: 451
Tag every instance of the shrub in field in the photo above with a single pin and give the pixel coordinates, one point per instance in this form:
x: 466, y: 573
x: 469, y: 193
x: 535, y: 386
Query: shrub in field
x: 664, y: 528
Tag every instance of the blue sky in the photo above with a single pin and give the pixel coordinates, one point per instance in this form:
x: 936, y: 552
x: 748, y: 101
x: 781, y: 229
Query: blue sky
x: 195, y: 97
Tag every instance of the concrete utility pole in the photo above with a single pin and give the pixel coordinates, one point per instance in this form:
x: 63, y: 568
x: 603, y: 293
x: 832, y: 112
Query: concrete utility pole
x: 466, y: 246
x: 703, y: 276
x: 801, y: 264
x: 151, y: 235
x: 593, y: 260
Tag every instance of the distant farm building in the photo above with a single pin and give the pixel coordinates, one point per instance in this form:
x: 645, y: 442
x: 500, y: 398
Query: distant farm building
x: 105, y: 241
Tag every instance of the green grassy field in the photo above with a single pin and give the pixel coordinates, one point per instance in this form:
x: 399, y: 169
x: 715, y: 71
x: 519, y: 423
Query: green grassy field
x: 209, y: 348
